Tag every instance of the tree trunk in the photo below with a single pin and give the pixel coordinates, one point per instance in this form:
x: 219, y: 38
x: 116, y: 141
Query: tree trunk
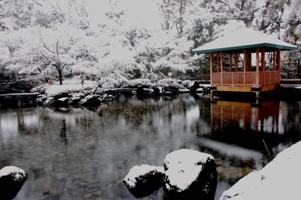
x: 60, y: 77
x: 289, y: 67
x: 298, y: 67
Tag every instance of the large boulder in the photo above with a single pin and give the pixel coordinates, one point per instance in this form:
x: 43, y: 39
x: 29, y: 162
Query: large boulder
x: 143, y: 180
x: 189, y: 175
x: 11, y: 181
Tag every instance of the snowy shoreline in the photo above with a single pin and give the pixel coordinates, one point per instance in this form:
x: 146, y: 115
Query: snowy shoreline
x: 278, y: 180
x: 92, y: 93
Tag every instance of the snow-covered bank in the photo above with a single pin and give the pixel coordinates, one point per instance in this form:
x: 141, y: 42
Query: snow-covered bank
x: 93, y: 93
x: 278, y: 180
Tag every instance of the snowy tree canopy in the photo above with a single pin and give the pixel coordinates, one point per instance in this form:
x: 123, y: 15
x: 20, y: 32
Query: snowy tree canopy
x: 53, y: 40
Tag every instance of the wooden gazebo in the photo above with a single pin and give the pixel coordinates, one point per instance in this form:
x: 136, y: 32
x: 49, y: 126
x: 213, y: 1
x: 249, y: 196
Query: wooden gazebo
x: 244, y: 61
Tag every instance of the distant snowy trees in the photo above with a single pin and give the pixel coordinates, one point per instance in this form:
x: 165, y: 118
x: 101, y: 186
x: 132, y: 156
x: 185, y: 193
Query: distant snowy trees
x: 116, y: 40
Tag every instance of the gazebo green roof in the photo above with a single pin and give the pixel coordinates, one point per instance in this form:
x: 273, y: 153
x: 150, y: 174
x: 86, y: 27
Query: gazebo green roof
x: 243, y: 39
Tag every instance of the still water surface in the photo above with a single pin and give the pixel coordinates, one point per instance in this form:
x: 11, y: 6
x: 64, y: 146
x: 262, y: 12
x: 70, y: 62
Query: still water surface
x: 80, y: 153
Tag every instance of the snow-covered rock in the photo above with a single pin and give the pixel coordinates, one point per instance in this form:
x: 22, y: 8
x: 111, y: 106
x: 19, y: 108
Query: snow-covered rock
x: 99, y: 91
x: 170, y: 91
x: 169, y: 82
x: 58, y: 90
x: 184, y: 90
x: 11, y: 181
x: 136, y: 82
x: 144, y: 91
x: 189, y: 175
x: 278, y: 180
x: 41, y: 99
x: 199, y: 90
x: 187, y: 83
x: 143, y: 180
x: 49, y: 102
x: 75, y: 98
x: 63, y: 101
x: 92, y: 99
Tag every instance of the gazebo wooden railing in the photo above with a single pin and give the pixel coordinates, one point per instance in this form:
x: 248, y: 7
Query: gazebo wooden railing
x: 245, y: 78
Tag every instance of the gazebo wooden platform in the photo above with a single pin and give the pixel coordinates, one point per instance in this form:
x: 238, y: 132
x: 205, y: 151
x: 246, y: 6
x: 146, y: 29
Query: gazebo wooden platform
x: 245, y: 61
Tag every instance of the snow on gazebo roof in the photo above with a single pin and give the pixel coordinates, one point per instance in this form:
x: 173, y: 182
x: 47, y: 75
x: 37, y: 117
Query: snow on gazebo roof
x: 244, y: 38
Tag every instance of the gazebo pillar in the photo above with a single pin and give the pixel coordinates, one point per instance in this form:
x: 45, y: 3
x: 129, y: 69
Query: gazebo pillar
x: 279, y: 64
x: 257, y: 73
x: 274, y: 60
x: 278, y: 59
x: 230, y: 63
x: 236, y: 62
x: 211, y: 71
x: 222, y: 66
x: 211, y: 67
x: 245, y: 65
x: 263, y: 59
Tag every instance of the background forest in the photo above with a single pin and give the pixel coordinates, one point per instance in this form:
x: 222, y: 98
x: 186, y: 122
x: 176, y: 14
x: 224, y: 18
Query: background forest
x: 118, y: 40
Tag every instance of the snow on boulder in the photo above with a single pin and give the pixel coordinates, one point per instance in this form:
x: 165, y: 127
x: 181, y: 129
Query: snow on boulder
x: 169, y: 82
x: 41, y: 99
x: 136, y: 82
x: 144, y: 91
x: 143, y: 180
x: 187, y: 83
x: 58, y: 90
x: 11, y: 181
x: 75, y: 98
x: 49, y: 102
x: 189, y: 175
x: 63, y: 101
x: 199, y: 90
x: 91, y: 100
x: 184, y: 90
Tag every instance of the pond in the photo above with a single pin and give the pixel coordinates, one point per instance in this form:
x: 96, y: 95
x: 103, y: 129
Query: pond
x: 84, y: 153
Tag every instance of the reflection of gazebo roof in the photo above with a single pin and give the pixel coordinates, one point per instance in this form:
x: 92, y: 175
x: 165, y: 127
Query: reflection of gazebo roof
x: 244, y: 39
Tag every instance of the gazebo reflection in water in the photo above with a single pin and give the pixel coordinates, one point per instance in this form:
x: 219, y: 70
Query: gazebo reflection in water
x: 256, y: 127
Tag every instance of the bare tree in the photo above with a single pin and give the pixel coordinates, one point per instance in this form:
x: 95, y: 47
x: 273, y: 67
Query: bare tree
x: 54, y: 50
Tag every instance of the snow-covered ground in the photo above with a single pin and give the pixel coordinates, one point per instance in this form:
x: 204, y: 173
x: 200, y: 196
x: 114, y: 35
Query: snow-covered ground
x: 278, y: 180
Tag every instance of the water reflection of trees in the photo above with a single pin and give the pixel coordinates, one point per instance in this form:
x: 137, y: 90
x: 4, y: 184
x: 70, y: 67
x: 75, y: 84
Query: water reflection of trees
x: 63, y: 131
x: 135, y: 111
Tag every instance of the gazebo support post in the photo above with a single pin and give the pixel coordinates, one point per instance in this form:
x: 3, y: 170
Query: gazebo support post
x: 278, y: 63
x: 263, y: 59
x: 245, y: 65
x: 236, y: 62
x: 222, y: 66
x: 257, y: 67
x: 211, y: 73
x: 278, y: 59
x: 274, y: 60
x: 230, y: 63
